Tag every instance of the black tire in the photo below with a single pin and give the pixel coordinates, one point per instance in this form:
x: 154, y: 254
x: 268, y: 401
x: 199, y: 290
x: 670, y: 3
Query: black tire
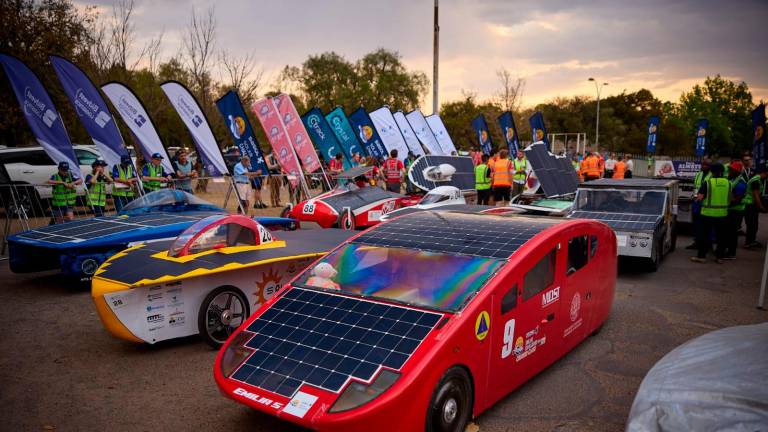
x: 655, y: 260
x: 286, y: 213
x: 347, y: 221
x: 673, y: 240
x: 216, y: 321
x: 450, y: 407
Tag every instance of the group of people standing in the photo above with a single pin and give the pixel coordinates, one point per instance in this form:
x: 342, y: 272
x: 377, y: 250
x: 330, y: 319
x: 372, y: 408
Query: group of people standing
x: 594, y: 166
x: 501, y: 178
x: 727, y: 195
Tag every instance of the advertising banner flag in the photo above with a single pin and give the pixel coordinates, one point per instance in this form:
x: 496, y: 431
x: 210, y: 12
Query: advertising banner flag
x: 275, y: 130
x: 389, y: 131
x: 92, y: 110
x: 482, y: 133
x: 367, y: 134
x: 701, y: 136
x: 344, y: 133
x: 408, y: 134
x: 192, y: 115
x: 538, y: 130
x: 441, y: 134
x: 135, y: 116
x: 653, y: 129
x: 40, y: 113
x: 509, y: 130
x: 321, y: 134
x: 424, y: 133
x: 231, y: 109
x: 298, y: 136
x: 758, y: 129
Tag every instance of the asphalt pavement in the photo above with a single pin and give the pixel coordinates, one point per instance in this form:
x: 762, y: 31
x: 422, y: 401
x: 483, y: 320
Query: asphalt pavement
x: 60, y: 370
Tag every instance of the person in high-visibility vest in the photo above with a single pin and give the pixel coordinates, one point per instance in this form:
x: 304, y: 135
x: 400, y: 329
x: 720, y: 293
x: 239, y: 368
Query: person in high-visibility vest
x: 619, y: 168
x: 576, y: 167
x: 520, y: 173
x: 590, y: 167
x: 64, y: 193
x: 501, y: 178
x: 125, y: 180
x: 735, y: 208
x: 715, y: 199
x: 97, y: 187
x: 753, y: 206
x: 600, y: 164
x: 483, y: 181
x: 153, y: 175
x: 394, y: 172
x: 701, y: 176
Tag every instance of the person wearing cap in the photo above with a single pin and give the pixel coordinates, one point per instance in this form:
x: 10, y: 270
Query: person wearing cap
x: 125, y: 180
x: 185, y: 172
x: 96, y: 182
x: 735, y: 208
x: 64, y: 193
x: 243, y: 174
x: 753, y: 206
x: 714, y: 196
x: 153, y: 175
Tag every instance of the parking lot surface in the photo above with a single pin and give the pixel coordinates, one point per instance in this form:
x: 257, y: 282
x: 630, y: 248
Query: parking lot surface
x: 60, y: 370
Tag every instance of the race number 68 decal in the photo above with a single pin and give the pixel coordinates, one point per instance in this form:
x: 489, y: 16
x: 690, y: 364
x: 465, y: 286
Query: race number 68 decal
x: 309, y: 208
x: 509, y: 338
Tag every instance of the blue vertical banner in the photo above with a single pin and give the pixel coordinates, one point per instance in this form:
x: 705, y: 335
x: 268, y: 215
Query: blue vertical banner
x: 92, y: 110
x: 482, y: 133
x: 758, y: 130
x: 233, y: 113
x: 321, y: 134
x: 367, y: 134
x: 341, y: 128
x: 653, y: 130
x: 701, y: 136
x: 509, y: 130
x: 40, y: 113
x: 538, y: 130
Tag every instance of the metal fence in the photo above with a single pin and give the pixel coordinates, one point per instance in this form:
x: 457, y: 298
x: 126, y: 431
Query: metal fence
x: 27, y: 206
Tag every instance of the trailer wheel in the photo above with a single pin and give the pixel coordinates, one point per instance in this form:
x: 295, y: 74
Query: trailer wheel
x: 222, y: 311
x: 451, y: 405
x: 655, y: 259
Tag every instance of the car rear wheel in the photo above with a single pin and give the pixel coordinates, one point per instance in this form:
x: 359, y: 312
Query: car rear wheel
x: 286, y: 213
x: 655, y: 259
x: 451, y: 405
x: 347, y: 221
x: 223, y: 310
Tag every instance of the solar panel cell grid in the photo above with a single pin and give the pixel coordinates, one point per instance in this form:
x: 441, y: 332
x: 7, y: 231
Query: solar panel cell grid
x: 324, y: 339
x: 621, y: 221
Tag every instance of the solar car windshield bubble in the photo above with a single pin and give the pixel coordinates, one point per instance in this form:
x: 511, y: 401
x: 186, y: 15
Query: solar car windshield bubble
x: 325, y: 340
x: 428, y: 172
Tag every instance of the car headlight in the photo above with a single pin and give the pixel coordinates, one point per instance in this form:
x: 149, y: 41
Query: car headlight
x: 643, y: 243
x: 357, y: 393
x: 633, y: 243
x: 235, y: 353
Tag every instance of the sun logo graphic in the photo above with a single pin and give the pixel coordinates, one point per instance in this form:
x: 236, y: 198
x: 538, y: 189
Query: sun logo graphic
x: 702, y: 132
x: 652, y: 129
x: 267, y: 287
x: 758, y: 132
x: 365, y: 133
x: 539, y: 135
x: 510, y: 134
x: 484, y: 136
x: 236, y: 126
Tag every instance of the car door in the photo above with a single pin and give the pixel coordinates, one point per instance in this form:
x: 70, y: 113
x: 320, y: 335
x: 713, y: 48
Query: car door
x: 576, y: 290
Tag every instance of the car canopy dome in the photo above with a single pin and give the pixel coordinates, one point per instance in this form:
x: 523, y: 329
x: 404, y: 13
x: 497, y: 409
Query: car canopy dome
x: 165, y: 197
x: 218, y: 232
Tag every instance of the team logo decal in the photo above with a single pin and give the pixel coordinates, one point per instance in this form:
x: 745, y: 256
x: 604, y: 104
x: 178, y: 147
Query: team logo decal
x: 482, y: 325
x: 575, y: 306
x: 519, y: 346
x: 267, y: 286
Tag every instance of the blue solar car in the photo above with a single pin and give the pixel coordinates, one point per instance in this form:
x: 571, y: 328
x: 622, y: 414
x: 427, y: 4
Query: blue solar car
x: 79, y: 247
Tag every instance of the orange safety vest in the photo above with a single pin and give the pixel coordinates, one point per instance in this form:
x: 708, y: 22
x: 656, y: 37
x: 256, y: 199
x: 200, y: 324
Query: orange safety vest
x: 592, y: 167
x: 618, y: 170
x: 500, y: 173
x: 391, y: 172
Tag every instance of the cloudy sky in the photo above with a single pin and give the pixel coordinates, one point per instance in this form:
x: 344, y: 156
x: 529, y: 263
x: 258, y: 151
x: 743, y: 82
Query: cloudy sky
x: 663, y: 45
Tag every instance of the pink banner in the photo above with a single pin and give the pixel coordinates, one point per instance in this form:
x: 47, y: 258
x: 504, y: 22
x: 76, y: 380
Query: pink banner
x: 297, y: 133
x: 275, y: 130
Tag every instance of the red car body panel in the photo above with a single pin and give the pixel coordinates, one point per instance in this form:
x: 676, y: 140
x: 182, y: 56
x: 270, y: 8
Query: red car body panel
x: 517, y: 345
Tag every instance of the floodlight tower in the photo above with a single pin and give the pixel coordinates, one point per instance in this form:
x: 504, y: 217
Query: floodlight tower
x: 598, y: 89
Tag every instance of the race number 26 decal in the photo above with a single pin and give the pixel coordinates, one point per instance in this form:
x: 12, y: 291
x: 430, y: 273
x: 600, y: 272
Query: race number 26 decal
x: 509, y: 339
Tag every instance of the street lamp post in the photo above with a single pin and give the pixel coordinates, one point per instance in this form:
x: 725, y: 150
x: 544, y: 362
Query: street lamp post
x: 598, y: 88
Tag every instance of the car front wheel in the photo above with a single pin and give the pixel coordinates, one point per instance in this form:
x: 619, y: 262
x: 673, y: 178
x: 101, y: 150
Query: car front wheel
x: 451, y: 406
x: 223, y: 310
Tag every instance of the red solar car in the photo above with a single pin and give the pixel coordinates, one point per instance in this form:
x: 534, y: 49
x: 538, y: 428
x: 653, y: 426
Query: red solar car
x: 422, y: 322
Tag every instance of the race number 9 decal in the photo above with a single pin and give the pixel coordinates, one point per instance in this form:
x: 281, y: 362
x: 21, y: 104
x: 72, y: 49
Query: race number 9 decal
x: 509, y: 339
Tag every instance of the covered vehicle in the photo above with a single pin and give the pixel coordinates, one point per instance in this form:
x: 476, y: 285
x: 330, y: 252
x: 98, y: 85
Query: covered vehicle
x: 641, y: 211
x: 348, y: 205
x: 715, y: 382
x: 207, y: 280
x: 80, y: 246
x: 422, y: 322
x: 439, y: 198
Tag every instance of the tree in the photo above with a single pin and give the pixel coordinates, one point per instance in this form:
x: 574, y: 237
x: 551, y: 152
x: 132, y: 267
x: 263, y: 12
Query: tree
x: 510, y: 95
x: 199, y: 46
x: 386, y: 81
x: 241, y: 76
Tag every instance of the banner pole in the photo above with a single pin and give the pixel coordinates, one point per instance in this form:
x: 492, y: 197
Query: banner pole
x: 761, y: 297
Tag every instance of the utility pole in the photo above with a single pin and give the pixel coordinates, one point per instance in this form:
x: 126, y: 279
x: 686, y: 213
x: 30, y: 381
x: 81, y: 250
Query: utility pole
x: 436, y: 50
x: 598, y: 88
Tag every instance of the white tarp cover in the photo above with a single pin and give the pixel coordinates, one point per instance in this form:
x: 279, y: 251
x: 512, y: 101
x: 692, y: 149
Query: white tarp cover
x: 716, y: 382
